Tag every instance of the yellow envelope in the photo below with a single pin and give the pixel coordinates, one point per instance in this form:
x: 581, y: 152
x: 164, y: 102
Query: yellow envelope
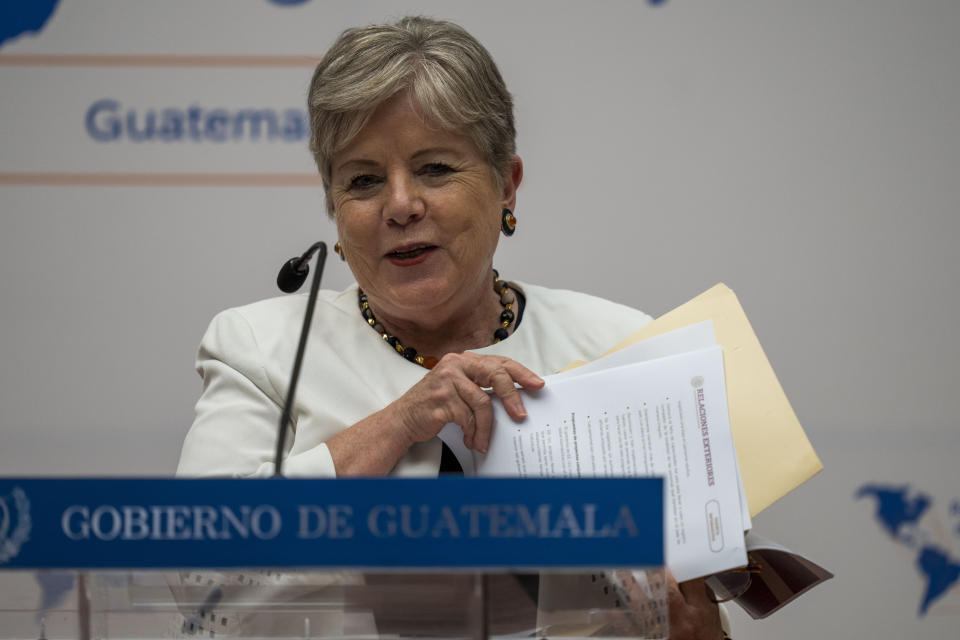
x: 774, y: 453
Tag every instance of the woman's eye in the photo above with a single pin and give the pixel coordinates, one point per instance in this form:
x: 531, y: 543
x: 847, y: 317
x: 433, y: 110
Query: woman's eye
x: 363, y: 181
x: 436, y: 169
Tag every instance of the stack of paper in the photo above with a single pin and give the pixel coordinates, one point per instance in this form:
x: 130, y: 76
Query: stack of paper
x: 670, y: 401
x: 639, y: 412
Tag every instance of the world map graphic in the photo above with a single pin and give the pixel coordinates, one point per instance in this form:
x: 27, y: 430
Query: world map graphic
x: 20, y: 18
x: 899, y: 512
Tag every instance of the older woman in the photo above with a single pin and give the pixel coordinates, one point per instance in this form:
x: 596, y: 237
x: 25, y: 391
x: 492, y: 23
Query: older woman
x: 413, y: 134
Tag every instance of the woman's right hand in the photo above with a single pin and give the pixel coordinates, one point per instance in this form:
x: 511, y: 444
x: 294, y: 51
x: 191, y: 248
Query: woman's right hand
x: 453, y: 391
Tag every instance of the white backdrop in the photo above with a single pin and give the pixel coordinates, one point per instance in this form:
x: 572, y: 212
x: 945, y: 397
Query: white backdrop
x: 807, y: 154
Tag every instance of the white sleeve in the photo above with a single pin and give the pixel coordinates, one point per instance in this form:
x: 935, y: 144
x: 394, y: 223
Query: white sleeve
x: 234, y: 433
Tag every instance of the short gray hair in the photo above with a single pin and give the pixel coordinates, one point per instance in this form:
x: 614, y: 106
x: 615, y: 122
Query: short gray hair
x: 450, y: 75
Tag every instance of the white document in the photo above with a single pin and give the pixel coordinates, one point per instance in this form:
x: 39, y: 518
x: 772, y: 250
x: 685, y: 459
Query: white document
x: 689, y: 338
x: 663, y: 417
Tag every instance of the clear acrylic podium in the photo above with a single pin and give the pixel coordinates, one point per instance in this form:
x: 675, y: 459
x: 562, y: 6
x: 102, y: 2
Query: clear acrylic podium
x: 255, y: 604
x: 547, y: 572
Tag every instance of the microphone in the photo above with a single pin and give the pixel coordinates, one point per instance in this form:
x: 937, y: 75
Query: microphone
x: 291, y: 276
x: 294, y: 271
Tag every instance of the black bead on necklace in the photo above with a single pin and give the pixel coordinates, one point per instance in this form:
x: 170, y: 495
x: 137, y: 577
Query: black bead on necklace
x: 507, y: 299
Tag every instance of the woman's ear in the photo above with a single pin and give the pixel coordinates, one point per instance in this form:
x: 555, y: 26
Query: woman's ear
x: 511, y: 182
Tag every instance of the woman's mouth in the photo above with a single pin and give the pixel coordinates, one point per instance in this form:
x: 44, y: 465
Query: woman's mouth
x: 410, y: 254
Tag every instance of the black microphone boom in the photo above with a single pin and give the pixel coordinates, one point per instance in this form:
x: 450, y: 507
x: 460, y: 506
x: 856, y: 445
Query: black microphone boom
x: 295, y: 271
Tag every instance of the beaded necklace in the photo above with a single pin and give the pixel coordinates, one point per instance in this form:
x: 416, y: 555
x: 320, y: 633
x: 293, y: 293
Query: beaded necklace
x: 507, y: 299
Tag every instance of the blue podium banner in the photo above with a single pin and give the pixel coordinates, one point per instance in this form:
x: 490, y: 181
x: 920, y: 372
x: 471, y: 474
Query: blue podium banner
x: 374, y: 523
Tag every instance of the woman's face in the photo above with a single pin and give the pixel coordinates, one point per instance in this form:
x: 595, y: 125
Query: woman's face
x: 418, y: 214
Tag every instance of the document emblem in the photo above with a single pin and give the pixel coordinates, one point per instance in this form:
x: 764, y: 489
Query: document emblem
x: 14, y: 523
x: 714, y: 526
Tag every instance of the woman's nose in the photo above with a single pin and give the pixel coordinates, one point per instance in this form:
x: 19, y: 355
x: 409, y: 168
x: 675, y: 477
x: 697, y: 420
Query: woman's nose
x: 404, y: 203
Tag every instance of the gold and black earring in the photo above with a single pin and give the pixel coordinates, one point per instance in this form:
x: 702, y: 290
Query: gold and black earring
x: 508, y: 222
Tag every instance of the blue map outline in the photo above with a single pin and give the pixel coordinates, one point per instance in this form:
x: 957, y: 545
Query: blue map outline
x: 898, y: 514
x: 26, y: 17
